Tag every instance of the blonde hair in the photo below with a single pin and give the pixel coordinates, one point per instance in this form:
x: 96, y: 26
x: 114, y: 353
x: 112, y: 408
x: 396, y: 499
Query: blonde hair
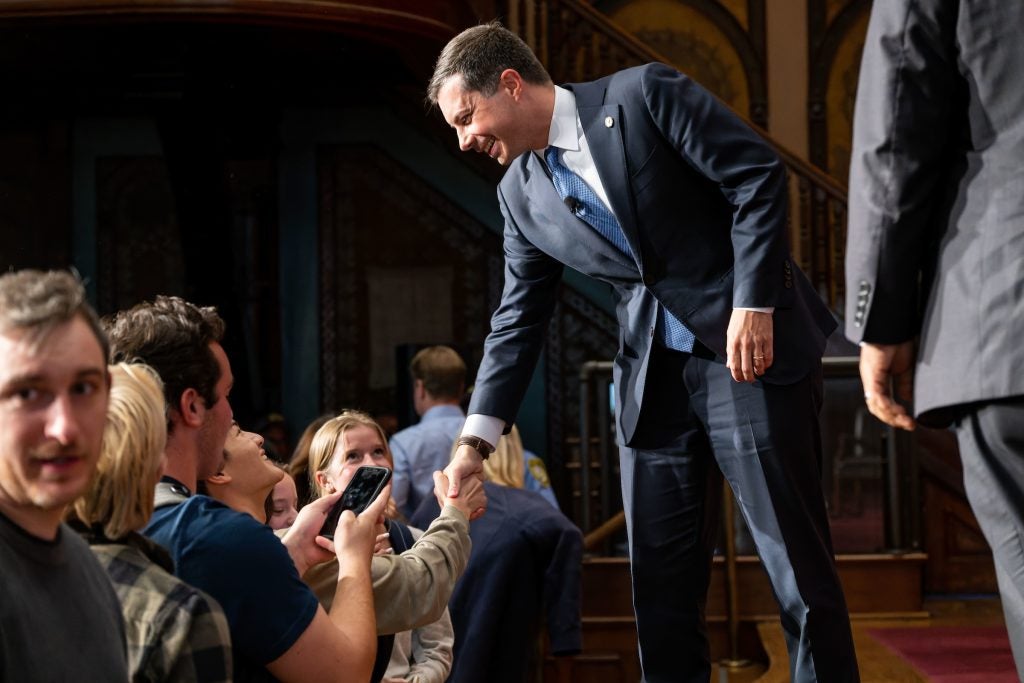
x: 325, y: 442
x: 121, y: 495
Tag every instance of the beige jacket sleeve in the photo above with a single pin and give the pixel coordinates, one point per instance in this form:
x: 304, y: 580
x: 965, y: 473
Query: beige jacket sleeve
x: 412, y: 589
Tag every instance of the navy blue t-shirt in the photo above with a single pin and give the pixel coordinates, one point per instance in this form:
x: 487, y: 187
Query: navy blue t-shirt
x: 246, y: 568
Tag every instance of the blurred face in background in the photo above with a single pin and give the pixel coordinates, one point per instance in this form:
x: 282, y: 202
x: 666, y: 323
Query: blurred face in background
x: 283, y: 500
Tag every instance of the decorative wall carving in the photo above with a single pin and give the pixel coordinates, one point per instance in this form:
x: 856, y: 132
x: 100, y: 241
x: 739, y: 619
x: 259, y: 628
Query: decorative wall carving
x: 721, y: 44
x: 375, y: 216
x: 35, y: 205
x: 836, y: 31
x: 138, y: 243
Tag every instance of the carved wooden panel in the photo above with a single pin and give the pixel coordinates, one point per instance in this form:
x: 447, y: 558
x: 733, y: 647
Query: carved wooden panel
x: 720, y: 43
x: 387, y: 240
x: 35, y: 202
x: 836, y: 29
x: 139, y: 247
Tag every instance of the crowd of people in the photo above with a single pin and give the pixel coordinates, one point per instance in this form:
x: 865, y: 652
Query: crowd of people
x: 151, y: 538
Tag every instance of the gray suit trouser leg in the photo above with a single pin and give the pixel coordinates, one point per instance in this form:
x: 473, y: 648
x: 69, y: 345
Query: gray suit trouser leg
x: 991, y: 437
x: 765, y: 440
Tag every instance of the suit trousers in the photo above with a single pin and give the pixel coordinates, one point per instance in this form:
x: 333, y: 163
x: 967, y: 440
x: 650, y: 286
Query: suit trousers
x: 765, y: 439
x: 991, y: 438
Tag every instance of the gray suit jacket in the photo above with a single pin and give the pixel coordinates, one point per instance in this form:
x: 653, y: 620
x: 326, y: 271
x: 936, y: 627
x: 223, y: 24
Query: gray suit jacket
x: 702, y: 201
x: 936, y: 222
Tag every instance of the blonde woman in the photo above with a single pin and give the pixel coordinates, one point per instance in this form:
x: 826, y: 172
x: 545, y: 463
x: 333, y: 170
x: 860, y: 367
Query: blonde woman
x: 175, y: 632
x: 340, y: 447
x: 519, y: 468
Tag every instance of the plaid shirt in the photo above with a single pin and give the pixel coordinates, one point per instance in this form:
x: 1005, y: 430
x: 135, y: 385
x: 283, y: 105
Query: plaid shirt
x: 175, y: 632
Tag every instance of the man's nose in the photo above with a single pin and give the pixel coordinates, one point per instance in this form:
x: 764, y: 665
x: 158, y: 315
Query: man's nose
x: 465, y: 141
x: 62, y: 423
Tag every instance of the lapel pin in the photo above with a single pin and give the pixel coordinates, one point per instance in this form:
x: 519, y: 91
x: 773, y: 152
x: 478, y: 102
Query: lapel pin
x: 609, y: 122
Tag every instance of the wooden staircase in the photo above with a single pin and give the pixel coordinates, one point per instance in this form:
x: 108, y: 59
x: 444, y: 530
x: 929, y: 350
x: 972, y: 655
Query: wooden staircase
x: 876, y: 586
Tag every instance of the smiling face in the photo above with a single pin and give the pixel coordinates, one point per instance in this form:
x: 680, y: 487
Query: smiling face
x: 502, y: 126
x: 53, y: 404
x: 247, y: 465
x: 357, y: 446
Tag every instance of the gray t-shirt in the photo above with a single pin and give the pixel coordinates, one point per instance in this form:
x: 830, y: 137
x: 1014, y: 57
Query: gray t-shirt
x: 60, y: 619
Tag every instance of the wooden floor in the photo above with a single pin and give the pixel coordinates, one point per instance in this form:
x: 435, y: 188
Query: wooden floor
x: 877, y: 663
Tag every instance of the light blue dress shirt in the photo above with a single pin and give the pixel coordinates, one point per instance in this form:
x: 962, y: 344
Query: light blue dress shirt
x: 420, y: 450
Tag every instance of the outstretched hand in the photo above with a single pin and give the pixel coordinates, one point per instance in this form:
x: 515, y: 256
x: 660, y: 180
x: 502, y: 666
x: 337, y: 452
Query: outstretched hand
x: 472, y: 499
x: 886, y: 369
x: 467, y: 463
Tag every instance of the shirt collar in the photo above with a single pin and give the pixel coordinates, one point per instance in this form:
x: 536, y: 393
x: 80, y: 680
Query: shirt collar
x: 564, y: 132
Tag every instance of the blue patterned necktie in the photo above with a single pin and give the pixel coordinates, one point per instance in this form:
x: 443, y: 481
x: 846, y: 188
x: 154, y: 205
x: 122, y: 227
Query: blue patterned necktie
x: 586, y: 205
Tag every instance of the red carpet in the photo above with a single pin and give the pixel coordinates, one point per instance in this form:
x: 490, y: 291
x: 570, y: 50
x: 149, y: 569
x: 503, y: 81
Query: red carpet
x: 953, y: 654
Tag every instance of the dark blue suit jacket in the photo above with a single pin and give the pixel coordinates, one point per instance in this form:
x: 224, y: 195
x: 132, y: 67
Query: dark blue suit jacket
x: 702, y: 201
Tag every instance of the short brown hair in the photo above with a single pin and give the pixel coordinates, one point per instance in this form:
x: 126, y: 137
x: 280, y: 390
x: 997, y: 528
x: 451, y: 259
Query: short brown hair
x: 172, y: 336
x: 442, y: 371
x: 39, y: 301
x: 478, y: 55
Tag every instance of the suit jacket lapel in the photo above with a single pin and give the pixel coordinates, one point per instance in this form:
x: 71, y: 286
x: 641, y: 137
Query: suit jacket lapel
x: 561, y: 232
x: 608, y: 150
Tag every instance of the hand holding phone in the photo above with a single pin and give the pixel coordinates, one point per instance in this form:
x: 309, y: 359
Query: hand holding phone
x: 363, y: 489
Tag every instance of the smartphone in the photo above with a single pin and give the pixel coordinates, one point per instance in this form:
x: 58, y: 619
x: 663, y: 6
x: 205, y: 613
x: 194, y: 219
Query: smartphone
x: 363, y: 489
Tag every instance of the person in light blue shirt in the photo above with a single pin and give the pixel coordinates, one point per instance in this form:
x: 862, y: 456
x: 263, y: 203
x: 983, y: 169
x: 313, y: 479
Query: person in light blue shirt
x: 439, y: 379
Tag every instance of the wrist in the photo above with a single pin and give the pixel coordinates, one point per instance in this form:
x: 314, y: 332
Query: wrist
x: 482, y: 447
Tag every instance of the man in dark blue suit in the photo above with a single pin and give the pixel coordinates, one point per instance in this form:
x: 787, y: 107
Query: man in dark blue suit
x: 645, y: 181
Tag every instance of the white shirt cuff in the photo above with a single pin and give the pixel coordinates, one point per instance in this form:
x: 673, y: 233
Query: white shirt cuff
x: 770, y: 309
x: 484, y: 426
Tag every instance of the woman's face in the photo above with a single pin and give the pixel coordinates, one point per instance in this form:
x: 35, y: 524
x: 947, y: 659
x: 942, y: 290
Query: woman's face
x: 247, y: 462
x: 358, y: 446
x: 282, y: 503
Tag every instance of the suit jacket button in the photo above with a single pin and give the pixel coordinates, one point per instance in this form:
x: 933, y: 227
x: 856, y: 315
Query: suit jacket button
x: 609, y: 122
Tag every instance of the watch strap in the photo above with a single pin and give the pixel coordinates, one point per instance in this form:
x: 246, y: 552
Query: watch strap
x: 477, y: 444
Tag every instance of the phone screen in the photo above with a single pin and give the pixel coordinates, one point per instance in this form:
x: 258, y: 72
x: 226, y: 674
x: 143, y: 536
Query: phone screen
x: 363, y: 489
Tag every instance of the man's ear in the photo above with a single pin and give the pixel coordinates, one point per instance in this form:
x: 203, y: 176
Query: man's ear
x: 511, y: 83
x: 192, y: 408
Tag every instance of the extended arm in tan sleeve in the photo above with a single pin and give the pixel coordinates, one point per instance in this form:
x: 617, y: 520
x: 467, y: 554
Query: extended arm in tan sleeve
x: 411, y: 589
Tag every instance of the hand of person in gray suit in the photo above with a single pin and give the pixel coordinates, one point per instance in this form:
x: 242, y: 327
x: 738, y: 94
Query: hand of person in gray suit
x: 749, y: 344
x: 882, y: 366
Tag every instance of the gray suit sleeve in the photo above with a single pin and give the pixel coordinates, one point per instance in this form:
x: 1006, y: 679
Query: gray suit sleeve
x: 901, y: 125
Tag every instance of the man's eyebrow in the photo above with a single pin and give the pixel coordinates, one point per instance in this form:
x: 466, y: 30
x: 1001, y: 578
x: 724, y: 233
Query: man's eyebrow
x: 36, y: 377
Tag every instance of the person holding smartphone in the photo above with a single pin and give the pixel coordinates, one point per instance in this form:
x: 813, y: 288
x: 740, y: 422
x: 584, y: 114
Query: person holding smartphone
x: 278, y: 628
x: 344, y: 448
